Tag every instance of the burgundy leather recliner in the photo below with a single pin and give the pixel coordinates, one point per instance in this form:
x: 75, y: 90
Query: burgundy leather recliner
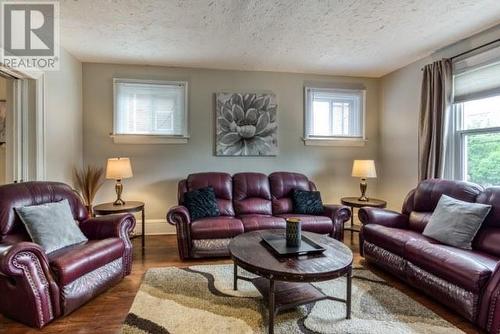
x: 467, y: 281
x: 247, y: 202
x: 35, y: 287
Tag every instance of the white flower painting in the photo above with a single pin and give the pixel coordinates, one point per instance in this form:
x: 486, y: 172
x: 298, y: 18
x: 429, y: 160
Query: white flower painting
x: 246, y: 124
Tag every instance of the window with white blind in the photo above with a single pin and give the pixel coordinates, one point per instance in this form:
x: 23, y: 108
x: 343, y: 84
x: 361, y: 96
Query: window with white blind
x: 475, y: 119
x: 334, y: 115
x: 147, y: 111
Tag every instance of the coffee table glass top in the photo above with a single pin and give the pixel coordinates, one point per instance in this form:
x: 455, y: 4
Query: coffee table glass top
x: 248, y: 252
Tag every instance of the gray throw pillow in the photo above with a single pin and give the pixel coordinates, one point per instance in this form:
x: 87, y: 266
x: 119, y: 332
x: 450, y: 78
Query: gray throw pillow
x: 456, y: 222
x: 51, y: 225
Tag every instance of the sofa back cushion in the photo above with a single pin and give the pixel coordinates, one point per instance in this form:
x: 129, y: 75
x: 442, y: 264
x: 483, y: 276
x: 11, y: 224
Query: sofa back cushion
x: 427, y: 194
x: 282, y: 184
x: 488, y: 237
x: 16, y: 195
x: 220, y: 182
x: 251, y: 194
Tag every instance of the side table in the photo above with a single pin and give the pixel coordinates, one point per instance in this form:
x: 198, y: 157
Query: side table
x: 129, y: 207
x: 354, y: 202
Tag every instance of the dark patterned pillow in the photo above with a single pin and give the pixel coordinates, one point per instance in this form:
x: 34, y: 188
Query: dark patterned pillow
x: 201, y: 203
x: 307, y: 202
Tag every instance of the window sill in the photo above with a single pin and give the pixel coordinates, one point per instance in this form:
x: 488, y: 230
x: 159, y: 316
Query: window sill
x: 148, y: 139
x: 334, y: 142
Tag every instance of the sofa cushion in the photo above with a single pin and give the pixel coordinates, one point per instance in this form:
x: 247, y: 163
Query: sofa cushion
x: 466, y: 268
x: 75, y: 261
x: 216, y: 228
x: 307, y: 202
x: 223, y: 188
x: 253, y: 222
x: 251, y: 194
x: 201, y: 203
x: 456, y: 222
x: 282, y: 184
x: 391, y: 239
x: 315, y: 224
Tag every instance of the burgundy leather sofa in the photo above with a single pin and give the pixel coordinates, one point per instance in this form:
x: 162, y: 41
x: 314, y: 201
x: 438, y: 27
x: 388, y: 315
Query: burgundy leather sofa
x: 467, y: 281
x: 35, y: 287
x: 247, y: 202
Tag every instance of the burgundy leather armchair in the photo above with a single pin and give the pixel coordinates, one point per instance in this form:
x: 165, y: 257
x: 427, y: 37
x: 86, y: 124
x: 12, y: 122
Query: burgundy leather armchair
x: 35, y: 287
x: 467, y: 281
x: 247, y: 202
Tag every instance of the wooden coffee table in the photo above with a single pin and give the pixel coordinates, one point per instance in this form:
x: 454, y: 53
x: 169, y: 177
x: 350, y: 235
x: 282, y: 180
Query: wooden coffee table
x: 285, y: 283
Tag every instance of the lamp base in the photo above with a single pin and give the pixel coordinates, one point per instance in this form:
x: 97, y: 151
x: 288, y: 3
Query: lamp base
x: 362, y: 186
x: 119, y: 201
x: 119, y: 190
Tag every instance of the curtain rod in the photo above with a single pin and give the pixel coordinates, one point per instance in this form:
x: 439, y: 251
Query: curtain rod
x: 472, y: 50
x: 476, y: 48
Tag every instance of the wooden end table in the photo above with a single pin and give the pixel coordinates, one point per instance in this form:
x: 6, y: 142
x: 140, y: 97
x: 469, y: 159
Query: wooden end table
x: 285, y: 282
x: 354, y: 202
x: 129, y: 207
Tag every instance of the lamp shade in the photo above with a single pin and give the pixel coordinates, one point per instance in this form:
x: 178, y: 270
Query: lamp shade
x: 364, y: 168
x: 118, y: 168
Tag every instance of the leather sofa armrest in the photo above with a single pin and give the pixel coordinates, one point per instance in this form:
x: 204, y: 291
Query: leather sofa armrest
x: 382, y: 217
x: 489, y: 312
x: 33, y: 294
x: 179, y: 216
x: 112, y: 226
x: 109, y: 226
x: 339, y: 214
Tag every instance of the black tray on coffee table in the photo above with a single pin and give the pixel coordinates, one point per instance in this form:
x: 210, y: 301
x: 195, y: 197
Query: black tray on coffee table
x: 277, y: 244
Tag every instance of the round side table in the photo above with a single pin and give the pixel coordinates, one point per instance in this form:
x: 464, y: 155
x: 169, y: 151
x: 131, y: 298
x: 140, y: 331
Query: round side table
x: 354, y: 202
x: 129, y: 207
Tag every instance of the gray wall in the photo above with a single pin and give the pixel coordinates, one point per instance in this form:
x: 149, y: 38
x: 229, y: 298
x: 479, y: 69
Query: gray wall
x: 158, y: 168
x: 398, y: 118
x: 64, y: 130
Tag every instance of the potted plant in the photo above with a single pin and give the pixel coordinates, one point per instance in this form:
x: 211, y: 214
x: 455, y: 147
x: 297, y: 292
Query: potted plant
x: 88, y: 180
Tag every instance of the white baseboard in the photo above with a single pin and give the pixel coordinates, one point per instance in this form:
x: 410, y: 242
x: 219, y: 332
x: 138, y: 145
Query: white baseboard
x: 155, y: 227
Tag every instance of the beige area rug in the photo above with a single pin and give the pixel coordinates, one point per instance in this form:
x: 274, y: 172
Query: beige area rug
x: 200, y: 299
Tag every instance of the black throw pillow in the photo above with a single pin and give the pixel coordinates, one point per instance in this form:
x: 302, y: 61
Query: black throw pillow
x: 307, y: 202
x: 201, y: 203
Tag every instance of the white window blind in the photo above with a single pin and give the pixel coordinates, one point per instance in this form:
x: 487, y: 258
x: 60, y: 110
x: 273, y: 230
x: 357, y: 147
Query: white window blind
x: 477, y: 76
x: 334, y: 113
x: 150, y: 108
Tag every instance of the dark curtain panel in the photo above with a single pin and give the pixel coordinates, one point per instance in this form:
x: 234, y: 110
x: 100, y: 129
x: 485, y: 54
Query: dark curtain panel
x: 435, y: 105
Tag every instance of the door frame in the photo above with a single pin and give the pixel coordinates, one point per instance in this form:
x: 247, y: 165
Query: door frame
x: 20, y: 100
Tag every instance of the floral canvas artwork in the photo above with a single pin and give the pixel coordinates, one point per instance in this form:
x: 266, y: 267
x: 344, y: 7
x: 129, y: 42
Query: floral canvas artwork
x: 246, y: 124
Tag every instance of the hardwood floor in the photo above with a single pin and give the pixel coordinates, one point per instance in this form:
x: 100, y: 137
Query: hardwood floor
x: 106, y: 313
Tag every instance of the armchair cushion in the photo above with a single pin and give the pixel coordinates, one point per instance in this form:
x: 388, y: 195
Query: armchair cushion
x: 51, y: 225
x: 75, y: 261
x: 307, y: 202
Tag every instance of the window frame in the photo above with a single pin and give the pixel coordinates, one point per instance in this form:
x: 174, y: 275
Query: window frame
x: 333, y: 140
x: 150, y: 138
x: 457, y: 142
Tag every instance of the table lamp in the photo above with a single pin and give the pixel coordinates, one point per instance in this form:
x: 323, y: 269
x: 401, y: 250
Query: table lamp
x: 118, y: 169
x: 363, y: 169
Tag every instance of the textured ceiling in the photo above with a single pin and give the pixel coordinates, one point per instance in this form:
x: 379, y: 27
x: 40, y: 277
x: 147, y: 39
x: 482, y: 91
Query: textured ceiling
x: 347, y: 37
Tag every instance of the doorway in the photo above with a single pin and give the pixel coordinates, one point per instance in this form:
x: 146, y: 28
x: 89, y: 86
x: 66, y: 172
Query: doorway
x: 20, y: 133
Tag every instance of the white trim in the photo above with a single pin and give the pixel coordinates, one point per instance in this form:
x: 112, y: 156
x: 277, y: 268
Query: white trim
x: 155, y: 227
x: 148, y: 139
x: 357, y: 142
x: 41, y: 126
